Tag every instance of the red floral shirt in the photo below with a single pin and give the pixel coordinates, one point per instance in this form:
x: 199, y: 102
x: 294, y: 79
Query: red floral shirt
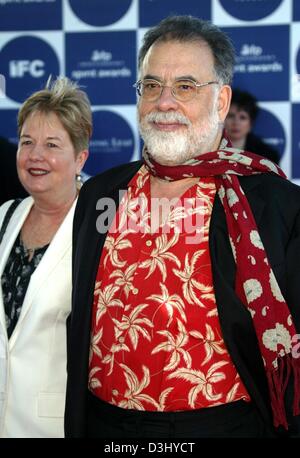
x: 156, y: 341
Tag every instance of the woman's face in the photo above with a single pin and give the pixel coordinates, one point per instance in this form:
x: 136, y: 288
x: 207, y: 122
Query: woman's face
x: 46, y: 160
x: 237, y: 123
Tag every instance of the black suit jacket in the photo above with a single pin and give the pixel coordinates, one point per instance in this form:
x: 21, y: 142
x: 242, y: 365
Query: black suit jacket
x: 275, y: 203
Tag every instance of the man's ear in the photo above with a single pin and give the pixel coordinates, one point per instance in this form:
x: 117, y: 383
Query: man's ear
x: 224, y: 101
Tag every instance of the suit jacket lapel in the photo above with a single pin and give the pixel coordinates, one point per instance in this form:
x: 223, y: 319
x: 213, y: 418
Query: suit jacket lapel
x: 91, y: 240
x: 88, y: 244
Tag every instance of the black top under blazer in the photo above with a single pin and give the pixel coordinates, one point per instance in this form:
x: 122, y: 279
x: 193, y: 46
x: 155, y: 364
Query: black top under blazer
x: 275, y: 203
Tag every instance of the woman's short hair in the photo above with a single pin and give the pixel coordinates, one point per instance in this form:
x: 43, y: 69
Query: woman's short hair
x: 191, y: 29
x: 246, y: 102
x: 71, y: 105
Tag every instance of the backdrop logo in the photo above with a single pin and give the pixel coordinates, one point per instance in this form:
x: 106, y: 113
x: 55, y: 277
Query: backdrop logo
x: 101, y: 12
x: 105, y: 63
x: 101, y: 64
x: 27, y: 62
x: 153, y: 11
x: 101, y: 56
x: 18, y: 68
x: 251, y: 50
x: 262, y: 60
x: 250, y: 10
x: 252, y: 59
x: 112, y: 142
x: 270, y: 130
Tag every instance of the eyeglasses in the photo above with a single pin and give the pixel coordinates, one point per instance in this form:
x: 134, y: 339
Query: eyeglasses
x: 182, y: 90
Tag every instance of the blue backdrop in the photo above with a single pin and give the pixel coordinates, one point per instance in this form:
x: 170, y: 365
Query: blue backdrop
x: 95, y: 42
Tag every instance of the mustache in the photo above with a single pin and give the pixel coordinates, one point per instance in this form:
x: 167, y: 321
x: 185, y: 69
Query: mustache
x: 167, y: 117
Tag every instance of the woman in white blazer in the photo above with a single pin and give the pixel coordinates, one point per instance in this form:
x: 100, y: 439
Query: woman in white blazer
x: 54, y: 125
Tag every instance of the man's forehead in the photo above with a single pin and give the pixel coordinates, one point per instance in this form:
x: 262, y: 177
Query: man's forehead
x: 174, y: 53
x: 164, y: 45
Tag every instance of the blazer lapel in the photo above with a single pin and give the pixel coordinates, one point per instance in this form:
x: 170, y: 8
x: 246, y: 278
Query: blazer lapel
x: 14, y: 226
x: 56, y: 251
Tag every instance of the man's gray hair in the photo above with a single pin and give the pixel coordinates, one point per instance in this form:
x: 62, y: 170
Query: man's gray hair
x: 191, y: 29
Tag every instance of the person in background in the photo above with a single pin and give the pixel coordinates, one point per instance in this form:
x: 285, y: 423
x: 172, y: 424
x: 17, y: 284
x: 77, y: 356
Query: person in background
x: 54, y: 127
x: 183, y: 317
x: 10, y: 186
x: 239, y: 123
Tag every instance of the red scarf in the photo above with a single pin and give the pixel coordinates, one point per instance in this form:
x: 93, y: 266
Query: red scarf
x: 256, y: 284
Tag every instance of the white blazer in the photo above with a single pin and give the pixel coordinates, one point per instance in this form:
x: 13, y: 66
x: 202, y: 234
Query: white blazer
x: 33, y: 360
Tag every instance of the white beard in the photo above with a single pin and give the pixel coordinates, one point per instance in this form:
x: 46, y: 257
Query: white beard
x: 175, y: 148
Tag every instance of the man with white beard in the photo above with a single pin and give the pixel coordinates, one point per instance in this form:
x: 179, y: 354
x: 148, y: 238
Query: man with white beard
x: 185, y: 318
